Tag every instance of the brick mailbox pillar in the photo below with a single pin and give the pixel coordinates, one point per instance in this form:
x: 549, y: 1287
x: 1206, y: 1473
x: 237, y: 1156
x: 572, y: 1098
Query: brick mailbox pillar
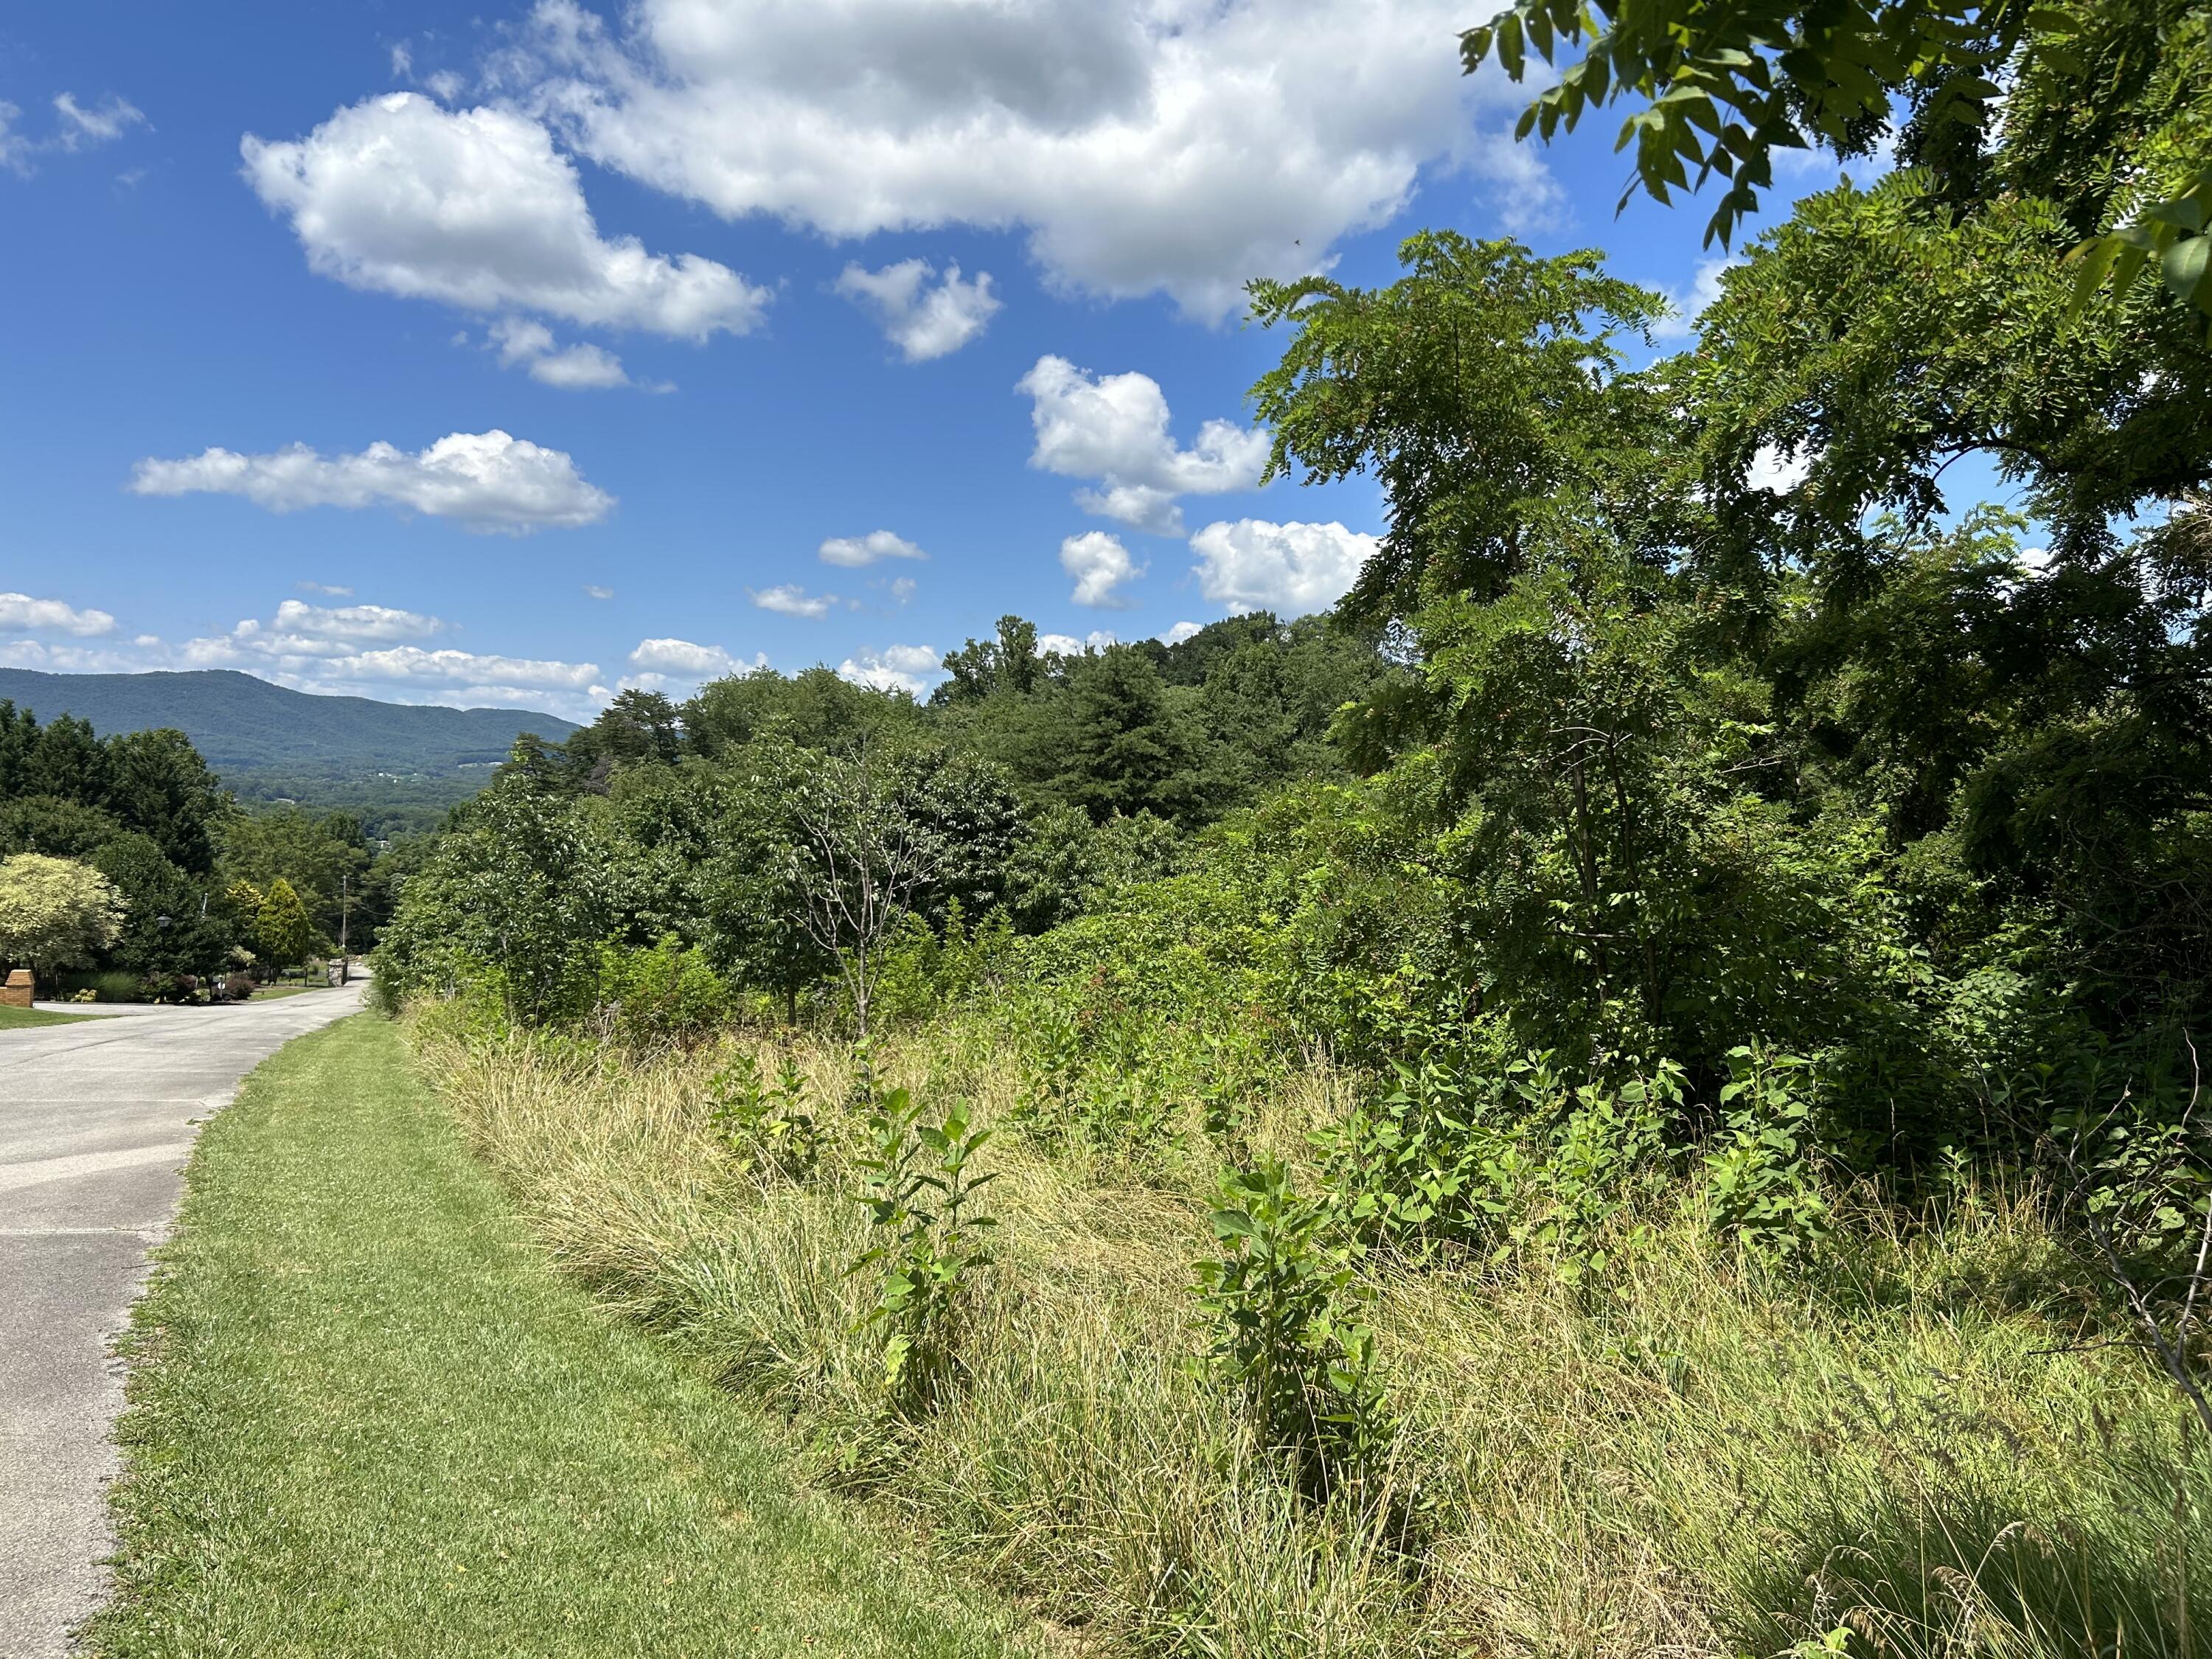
x: 16, y: 992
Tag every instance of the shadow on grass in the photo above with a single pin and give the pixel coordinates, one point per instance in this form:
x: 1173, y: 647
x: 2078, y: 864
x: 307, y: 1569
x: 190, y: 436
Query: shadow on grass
x: 1916, y: 1571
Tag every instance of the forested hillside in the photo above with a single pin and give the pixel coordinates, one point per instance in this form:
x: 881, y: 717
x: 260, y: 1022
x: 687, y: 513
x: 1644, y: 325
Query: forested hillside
x: 397, y: 762
x: 1633, y: 1089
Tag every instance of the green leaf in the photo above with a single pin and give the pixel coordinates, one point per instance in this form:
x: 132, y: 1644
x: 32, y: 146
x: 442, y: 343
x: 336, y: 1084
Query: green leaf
x: 1510, y: 51
x: 2184, y: 213
x: 2183, y: 268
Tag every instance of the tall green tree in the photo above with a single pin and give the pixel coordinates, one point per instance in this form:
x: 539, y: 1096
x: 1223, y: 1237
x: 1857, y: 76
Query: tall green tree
x: 1484, y: 392
x: 174, y: 924
x: 320, y: 855
x: 2111, y: 95
x: 283, y: 932
x: 159, y: 786
x: 1121, y: 741
x: 1010, y: 664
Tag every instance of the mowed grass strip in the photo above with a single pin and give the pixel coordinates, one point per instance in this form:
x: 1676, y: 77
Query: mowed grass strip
x: 14, y: 1018
x: 367, y: 1420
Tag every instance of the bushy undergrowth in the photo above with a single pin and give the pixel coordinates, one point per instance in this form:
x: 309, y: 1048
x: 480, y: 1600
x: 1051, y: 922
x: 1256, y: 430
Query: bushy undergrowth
x: 1619, y: 1417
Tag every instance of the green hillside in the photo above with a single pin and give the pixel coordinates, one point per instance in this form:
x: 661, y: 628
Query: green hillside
x: 269, y: 743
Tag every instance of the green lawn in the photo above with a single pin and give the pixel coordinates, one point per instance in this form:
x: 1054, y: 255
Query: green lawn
x: 12, y: 1019
x: 263, y: 992
x: 368, y: 1420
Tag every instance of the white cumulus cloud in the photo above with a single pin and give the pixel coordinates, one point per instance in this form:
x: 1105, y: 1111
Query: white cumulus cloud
x: 52, y: 615
x: 476, y: 208
x: 1101, y: 566
x: 355, y: 622
x: 856, y: 550
x: 1067, y: 645
x: 484, y: 480
x: 531, y: 344
x: 678, y: 667
x: 1144, y: 145
x: 908, y: 668
x: 1289, y: 568
x: 1113, y: 429
x: 682, y: 657
x: 790, y: 600
x: 923, y: 321
x: 1182, y: 631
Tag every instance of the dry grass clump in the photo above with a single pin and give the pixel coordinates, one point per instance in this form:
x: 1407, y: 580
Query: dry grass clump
x: 1690, y: 1455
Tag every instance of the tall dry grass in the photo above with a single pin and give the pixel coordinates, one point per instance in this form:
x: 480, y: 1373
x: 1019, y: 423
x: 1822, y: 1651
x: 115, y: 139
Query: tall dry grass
x: 1925, y: 1443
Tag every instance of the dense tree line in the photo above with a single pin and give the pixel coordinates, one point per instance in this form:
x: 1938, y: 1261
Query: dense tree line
x: 1030, y: 783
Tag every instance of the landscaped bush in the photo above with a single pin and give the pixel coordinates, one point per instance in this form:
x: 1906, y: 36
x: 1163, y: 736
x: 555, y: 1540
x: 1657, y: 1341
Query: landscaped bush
x: 109, y: 987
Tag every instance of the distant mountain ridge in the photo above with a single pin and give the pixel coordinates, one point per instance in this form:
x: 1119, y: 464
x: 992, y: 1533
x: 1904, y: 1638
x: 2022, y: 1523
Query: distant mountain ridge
x: 265, y: 740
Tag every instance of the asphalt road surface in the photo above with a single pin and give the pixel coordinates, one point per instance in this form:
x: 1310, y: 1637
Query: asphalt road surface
x: 96, y: 1121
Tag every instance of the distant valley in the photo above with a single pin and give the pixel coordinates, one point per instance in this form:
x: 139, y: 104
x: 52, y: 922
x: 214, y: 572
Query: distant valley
x: 387, y: 761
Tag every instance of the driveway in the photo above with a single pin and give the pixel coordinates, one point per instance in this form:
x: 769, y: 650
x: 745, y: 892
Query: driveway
x: 96, y: 1121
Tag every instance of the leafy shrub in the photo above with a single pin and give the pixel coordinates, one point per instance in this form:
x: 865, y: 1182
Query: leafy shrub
x: 765, y: 1124
x: 1761, y: 1177
x: 1500, y: 1156
x: 670, y: 993
x: 115, y: 987
x: 919, y: 1190
x: 238, y: 986
x: 1280, y: 1304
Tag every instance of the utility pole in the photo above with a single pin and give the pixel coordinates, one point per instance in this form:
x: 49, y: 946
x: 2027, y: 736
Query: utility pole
x: 345, y: 964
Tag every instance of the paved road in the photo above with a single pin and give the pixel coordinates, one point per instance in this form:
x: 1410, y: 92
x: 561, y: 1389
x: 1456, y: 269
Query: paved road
x: 96, y: 1121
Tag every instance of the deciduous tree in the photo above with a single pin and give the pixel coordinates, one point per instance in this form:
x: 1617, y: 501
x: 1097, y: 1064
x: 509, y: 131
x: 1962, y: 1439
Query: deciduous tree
x: 55, y: 913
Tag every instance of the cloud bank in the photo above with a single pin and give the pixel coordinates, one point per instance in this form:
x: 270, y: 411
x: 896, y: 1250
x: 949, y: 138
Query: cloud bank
x: 1144, y: 145
x: 485, y: 481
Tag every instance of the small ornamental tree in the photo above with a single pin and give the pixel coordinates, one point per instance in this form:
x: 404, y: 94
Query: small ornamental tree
x: 55, y: 913
x: 281, y: 929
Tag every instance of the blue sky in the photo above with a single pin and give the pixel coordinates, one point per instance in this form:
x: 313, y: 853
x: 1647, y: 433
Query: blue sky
x: 666, y: 253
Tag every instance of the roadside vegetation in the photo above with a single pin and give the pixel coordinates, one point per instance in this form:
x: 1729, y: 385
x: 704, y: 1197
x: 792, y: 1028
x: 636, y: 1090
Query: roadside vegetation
x: 1636, y: 1087
x: 1609, y: 1431
x: 366, y: 1419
